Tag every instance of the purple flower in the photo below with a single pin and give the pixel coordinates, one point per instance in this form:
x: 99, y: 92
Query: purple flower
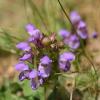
x: 26, y: 56
x: 64, y: 60
x: 34, y: 33
x: 24, y: 70
x: 94, y: 35
x: 44, y: 71
x: 34, y: 79
x: 34, y: 83
x: 45, y: 60
x: 67, y: 56
x: 75, y: 17
x: 64, y: 66
x: 82, y: 30
x: 24, y: 75
x: 73, y: 42
x: 44, y: 67
x: 21, y: 66
x: 23, y: 46
x: 33, y: 74
x: 30, y: 28
x: 64, y: 33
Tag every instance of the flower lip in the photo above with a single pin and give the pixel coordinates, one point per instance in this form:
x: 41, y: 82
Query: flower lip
x: 67, y: 56
x: 23, y: 46
x: 24, y: 75
x: 21, y: 66
x: 26, y: 56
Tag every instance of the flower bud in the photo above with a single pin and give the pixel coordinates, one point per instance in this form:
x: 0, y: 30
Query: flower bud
x: 45, y: 41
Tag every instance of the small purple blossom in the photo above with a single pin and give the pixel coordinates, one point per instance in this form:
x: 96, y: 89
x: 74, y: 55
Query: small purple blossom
x: 64, y: 66
x: 33, y: 74
x: 34, y: 83
x: 30, y: 28
x: 64, y: 60
x: 64, y: 33
x: 94, y: 35
x: 44, y: 67
x: 34, y: 32
x: 44, y: 71
x: 82, y: 30
x: 73, y: 42
x: 34, y: 79
x: 45, y: 60
x: 75, y: 17
x: 21, y: 66
x: 23, y: 46
x: 24, y: 75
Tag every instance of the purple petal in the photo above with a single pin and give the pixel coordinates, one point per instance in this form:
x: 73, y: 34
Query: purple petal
x: 65, y: 66
x: 81, y: 25
x: 94, y: 35
x: 74, y: 42
x: 41, y: 81
x: 23, y: 46
x: 21, y: 66
x: 82, y: 30
x: 45, y: 60
x: 67, y: 56
x: 75, y: 17
x: 24, y: 75
x: 30, y: 28
x: 33, y: 74
x: 37, y: 34
x: 44, y: 72
x: 64, y: 33
x: 34, y: 84
x: 26, y: 56
x: 83, y: 34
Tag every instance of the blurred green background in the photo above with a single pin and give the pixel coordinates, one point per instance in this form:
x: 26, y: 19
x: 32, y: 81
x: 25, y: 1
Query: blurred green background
x: 47, y: 16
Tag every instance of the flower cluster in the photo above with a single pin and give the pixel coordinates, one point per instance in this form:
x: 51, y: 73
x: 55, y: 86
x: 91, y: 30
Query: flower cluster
x: 35, y: 64
x: 72, y: 39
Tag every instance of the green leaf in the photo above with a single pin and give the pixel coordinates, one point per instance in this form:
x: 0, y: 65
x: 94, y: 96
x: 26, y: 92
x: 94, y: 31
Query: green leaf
x: 27, y: 90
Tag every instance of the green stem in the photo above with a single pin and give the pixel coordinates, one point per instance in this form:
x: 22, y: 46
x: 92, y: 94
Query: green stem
x: 66, y: 15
